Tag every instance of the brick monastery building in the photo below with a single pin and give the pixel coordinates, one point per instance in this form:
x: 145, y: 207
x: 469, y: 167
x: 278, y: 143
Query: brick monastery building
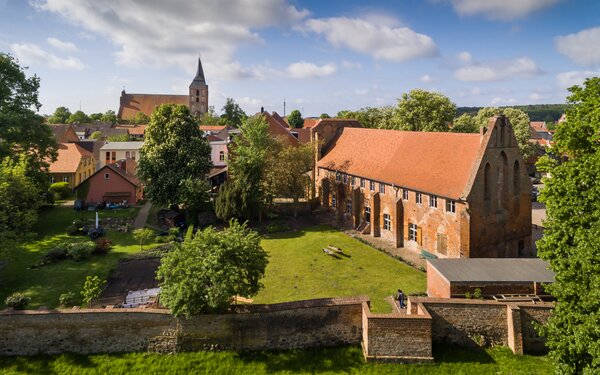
x: 453, y: 195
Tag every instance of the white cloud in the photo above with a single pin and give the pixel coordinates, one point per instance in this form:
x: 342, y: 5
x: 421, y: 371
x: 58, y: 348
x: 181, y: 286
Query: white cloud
x: 499, y: 100
x: 572, y: 78
x: 582, y: 47
x: 304, y: 69
x: 535, y: 96
x: 427, y: 78
x: 351, y: 65
x: 29, y: 53
x: 519, y: 67
x: 382, y: 41
x: 500, y: 9
x: 161, y: 33
x: 62, y: 46
x: 465, y: 57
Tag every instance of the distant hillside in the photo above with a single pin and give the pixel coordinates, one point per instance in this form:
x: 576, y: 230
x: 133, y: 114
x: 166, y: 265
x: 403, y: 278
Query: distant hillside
x: 536, y: 112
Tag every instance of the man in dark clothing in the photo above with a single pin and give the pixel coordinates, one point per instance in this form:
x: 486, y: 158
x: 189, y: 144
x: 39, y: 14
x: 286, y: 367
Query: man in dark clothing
x: 400, y: 297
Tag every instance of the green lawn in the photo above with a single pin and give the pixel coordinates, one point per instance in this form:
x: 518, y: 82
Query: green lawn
x: 347, y: 360
x: 299, y: 269
x: 45, y: 284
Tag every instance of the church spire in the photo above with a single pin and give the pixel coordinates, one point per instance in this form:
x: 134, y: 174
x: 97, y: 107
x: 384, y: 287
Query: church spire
x: 199, y: 73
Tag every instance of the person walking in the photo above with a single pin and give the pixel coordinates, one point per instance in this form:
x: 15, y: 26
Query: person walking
x: 400, y: 297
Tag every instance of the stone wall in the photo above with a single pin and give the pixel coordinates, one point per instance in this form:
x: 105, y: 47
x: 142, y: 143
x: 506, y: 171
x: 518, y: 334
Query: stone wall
x: 530, y: 315
x: 300, y: 324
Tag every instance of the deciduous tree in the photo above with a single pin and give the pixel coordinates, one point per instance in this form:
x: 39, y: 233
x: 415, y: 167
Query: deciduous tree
x: 571, y: 241
x: 143, y: 236
x: 109, y: 116
x: 233, y: 114
x: 465, y: 123
x: 205, y: 272
x: 79, y: 117
x: 295, y: 119
x: 60, y: 116
x: 174, y: 151
x: 421, y: 110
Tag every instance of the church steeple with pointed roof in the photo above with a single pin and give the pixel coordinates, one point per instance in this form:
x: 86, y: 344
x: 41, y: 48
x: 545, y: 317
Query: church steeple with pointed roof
x: 199, y: 92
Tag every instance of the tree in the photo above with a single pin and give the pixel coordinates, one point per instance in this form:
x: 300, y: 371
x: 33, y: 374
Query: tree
x: 24, y: 138
x: 233, y: 114
x: 295, y: 119
x: 228, y: 203
x: 60, y: 116
x: 519, y: 121
x: 92, y: 288
x: 195, y: 197
x: 123, y: 137
x: 205, y: 272
x: 210, y: 117
x: 324, y: 115
x: 140, y: 118
x: 109, y: 116
x: 96, y: 135
x: 371, y: 117
x: 78, y: 118
x: 143, y: 236
x: 291, y: 172
x: 571, y: 241
x: 174, y: 151
x: 465, y: 123
x: 95, y: 116
x: 421, y: 110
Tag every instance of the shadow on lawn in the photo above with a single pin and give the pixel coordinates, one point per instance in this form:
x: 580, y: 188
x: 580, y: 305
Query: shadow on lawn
x: 457, y: 354
x: 41, y: 364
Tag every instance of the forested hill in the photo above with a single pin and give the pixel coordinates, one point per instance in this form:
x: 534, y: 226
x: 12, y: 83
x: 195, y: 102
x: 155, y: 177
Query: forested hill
x: 536, y: 112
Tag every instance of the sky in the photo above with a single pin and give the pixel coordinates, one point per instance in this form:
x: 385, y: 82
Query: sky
x: 318, y: 56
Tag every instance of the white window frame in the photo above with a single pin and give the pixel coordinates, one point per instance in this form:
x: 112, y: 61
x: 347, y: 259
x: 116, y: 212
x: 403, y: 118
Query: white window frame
x: 52, y: 179
x: 368, y: 211
x: 405, y: 194
x: 333, y: 200
x: 345, y: 178
x: 107, y: 176
x: 451, y: 206
x: 221, y: 155
x: 352, y: 181
x: 362, y: 183
x: 65, y: 179
x: 372, y: 185
x: 382, y: 188
x: 349, y: 206
x: 387, y: 222
x: 433, y: 201
x: 412, y: 232
x: 419, y: 198
x: 338, y: 177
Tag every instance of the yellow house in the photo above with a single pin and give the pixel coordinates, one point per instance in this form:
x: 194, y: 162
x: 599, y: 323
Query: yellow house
x: 74, y: 165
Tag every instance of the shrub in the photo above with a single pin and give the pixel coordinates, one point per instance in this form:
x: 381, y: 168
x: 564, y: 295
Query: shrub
x: 68, y: 299
x: 103, y: 246
x: 58, y: 252
x: 477, y: 294
x: 17, y: 301
x: 81, y: 250
x: 60, y: 189
x: 277, y: 227
x: 72, y: 230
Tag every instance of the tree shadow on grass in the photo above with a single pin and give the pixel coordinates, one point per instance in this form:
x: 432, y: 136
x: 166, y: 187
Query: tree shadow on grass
x: 336, y: 359
x: 42, y: 364
x: 458, y: 354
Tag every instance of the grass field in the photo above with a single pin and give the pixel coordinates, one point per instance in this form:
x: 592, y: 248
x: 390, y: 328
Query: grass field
x: 347, y: 360
x: 299, y: 269
x: 45, y: 284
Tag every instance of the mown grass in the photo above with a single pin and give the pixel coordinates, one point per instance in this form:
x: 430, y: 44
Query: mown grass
x: 299, y: 269
x: 45, y: 284
x: 347, y: 360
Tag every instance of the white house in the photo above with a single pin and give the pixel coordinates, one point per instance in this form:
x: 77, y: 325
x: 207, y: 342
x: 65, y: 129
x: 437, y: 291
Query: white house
x: 111, y: 152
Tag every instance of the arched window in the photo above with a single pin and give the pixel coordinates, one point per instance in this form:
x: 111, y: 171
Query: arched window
x: 487, y: 194
x: 516, y: 178
x: 502, y: 183
x: 197, y: 92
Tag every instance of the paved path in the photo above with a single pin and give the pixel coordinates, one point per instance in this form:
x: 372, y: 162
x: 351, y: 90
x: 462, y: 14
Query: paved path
x: 142, y: 216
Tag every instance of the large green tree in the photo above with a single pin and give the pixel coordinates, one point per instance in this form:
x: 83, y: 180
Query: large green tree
x: 465, y: 123
x: 60, y: 116
x: 421, y: 110
x: 295, y: 119
x: 571, y: 241
x: 174, y: 151
x: 79, y: 117
x: 206, y: 271
x: 24, y: 137
x: 372, y: 117
x: 233, y: 114
x: 109, y: 116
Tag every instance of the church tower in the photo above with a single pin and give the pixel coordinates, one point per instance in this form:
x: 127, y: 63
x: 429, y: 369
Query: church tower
x: 199, y: 92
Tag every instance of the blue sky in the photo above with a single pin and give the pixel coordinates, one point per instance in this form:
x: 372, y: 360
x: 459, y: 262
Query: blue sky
x: 321, y: 56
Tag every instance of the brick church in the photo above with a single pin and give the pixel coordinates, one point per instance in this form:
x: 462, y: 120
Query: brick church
x: 452, y: 195
x: 196, y: 99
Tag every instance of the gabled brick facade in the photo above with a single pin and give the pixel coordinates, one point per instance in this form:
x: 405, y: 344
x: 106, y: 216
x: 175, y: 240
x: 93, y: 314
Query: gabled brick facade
x: 452, y: 195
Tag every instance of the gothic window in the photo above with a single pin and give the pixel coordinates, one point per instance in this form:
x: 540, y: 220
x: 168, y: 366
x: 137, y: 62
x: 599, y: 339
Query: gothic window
x: 486, y: 182
x: 502, y: 180
x: 197, y: 93
x: 516, y: 178
x: 197, y: 99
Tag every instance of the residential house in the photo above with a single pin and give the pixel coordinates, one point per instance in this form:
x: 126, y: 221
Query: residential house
x: 64, y: 133
x: 113, y: 183
x: 448, y: 195
x: 111, y: 152
x: 74, y: 164
x: 219, y: 131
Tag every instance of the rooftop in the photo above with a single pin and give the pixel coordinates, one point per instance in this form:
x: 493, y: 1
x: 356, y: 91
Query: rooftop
x: 122, y: 146
x: 69, y: 156
x: 494, y: 269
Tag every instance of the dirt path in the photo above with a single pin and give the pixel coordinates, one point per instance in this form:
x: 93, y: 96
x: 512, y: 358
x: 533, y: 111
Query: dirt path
x: 142, y: 216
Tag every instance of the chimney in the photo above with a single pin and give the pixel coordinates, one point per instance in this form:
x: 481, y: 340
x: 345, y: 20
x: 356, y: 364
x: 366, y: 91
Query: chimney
x: 130, y: 166
x: 262, y: 109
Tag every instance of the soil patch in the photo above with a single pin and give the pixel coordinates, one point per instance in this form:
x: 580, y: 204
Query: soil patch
x: 136, y: 274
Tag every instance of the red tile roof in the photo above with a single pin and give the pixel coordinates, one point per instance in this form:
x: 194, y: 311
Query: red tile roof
x: 138, y: 129
x: 538, y: 126
x: 212, y: 128
x: 310, y: 122
x: 131, y: 104
x: 434, y: 163
x: 69, y: 156
x: 278, y: 128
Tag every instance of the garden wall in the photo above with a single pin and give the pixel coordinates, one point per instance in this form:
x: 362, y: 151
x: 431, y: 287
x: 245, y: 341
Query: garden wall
x: 300, y: 324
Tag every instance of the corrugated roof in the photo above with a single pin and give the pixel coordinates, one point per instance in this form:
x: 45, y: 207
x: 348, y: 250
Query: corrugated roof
x: 494, y: 270
x: 122, y: 146
x: 428, y: 162
x: 69, y: 156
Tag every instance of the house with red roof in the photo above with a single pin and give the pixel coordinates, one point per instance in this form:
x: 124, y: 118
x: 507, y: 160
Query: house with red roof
x: 73, y: 164
x: 446, y: 195
x: 113, y: 183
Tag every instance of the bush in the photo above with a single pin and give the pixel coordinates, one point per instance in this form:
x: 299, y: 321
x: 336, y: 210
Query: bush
x: 81, y: 250
x: 68, y: 299
x: 17, y: 301
x: 277, y: 227
x: 60, y: 189
x: 76, y: 228
x: 477, y: 294
x: 58, y: 252
x: 103, y: 246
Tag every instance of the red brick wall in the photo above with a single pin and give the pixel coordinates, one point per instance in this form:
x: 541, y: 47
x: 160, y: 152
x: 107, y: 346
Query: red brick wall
x: 437, y: 285
x: 99, y: 186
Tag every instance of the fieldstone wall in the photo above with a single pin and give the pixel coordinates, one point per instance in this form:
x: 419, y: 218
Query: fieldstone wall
x: 531, y: 315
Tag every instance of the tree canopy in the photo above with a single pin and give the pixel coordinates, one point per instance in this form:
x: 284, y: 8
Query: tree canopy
x: 174, y: 151
x: 79, y: 117
x: 140, y: 118
x: 109, y: 116
x: 465, y: 124
x: 571, y: 241
x: 295, y: 119
x: 206, y: 271
x: 421, y: 110
x: 60, y: 116
x: 233, y: 114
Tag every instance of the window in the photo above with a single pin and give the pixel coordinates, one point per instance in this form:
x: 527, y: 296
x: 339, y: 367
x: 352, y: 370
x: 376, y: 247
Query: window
x: 338, y: 176
x: 221, y: 155
x: 412, y: 232
x: 367, y: 214
x: 433, y: 201
x: 382, y: 188
x: 450, y: 206
x: 362, y: 182
x: 349, y: 206
x: 419, y: 198
x: 352, y: 180
x: 107, y: 176
x: 372, y: 185
x: 84, y: 175
x: 345, y: 178
x: 66, y: 179
x: 133, y: 155
x: 197, y: 100
x: 52, y: 180
x: 333, y: 200
x: 127, y: 154
x: 107, y: 157
x: 387, y: 222
x: 114, y: 156
x: 197, y: 92
x: 405, y: 194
